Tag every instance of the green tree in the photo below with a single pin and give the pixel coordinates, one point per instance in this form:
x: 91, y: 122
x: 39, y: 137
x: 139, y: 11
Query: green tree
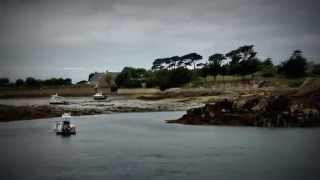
x: 19, y: 82
x: 4, y: 81
x: 172, y: 78
x: 67, y: 81
x: 131, y: 77
x: 238, y: 58
x: 191, y: 59
x: 267, y: 68
x: 249, y: 66
x: 267, y: 62
x: 215, y: 64
x: 31, y: 82
x: 295, y: 66
x: 173, y: 62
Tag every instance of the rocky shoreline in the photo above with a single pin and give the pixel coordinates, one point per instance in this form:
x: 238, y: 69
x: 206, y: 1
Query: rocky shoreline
x: 291, y: 108
x: 260, y: 111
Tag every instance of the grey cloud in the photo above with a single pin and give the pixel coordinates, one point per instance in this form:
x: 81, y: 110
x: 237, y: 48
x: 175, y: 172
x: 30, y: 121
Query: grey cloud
x: 37, y: 35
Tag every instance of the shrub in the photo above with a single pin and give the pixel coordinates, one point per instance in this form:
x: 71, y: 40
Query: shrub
x: 19, y: 82
x: 294, y: 67
x: 173, y: 78
x: 4, y: 81
x: 268, y: 71
x: 131, y: 77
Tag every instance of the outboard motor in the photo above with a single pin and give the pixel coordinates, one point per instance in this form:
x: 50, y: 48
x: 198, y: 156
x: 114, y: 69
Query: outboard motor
x: 66, y: 128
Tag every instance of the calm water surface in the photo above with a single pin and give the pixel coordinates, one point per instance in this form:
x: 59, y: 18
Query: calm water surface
x: 141, y: 146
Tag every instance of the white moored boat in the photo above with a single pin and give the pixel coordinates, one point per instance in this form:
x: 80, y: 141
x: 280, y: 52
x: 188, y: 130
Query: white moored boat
x: 55, y: 99
x: 99, y: 96
x: 64, y: 126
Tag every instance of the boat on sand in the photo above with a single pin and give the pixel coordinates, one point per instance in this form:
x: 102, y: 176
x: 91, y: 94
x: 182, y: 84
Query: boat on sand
x: 99, y: 96
x: 56, y: 99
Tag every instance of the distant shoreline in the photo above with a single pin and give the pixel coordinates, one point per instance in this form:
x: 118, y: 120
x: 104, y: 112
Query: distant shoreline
x: 246, y: 99
x: 24, y: 92
x: 36, y: 108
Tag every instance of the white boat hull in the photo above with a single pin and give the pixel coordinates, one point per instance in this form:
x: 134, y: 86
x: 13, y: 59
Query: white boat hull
x: 71, y: 131
x: 55, y: 99
x: 64, y: 126
x: 99, y: 97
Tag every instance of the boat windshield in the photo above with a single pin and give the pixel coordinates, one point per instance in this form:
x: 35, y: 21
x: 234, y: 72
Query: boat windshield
x: 65, y: 122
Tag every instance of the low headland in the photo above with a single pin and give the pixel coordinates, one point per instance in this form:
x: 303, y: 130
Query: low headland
x: 245, y: 105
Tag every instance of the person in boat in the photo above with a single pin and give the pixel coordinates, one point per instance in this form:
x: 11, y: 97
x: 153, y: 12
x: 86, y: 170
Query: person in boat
x: 66, y: 127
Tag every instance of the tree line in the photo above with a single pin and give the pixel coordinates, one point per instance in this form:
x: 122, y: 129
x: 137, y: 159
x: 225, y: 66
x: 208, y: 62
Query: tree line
x: 33, y: 82
x: 175, y: 71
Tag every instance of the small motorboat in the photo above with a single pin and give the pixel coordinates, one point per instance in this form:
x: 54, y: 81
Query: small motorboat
x: 99, y: 96
x: 64, y: 126
x: 56, y: 99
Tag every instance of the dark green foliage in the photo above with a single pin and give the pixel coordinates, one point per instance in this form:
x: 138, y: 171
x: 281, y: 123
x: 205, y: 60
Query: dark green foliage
x: 165, y: 63
x: 243, y: 61
x: 162, y: 79
x: 249, y: 66
x: 190, y: 59
x: 267, y: 68
x: 173, y: 71
x: 295, y: 66
x: 268, y: 62
x: 131, y: 77
x: 67, y: 81
x: 32, y: 82
x: 179, y: 76
x: 172, y: 62
x: 268, y: 72
x: 56, y: 82
x: 224, y: 70
x: 4, y: 82
x: 242, y: 53
x: 172, y: 78
x: 316, y: 69
x: 151, y: 80
x: 19, y: 82
x: 158, y: 64
x: 176, y: 62
x: 214, y: 67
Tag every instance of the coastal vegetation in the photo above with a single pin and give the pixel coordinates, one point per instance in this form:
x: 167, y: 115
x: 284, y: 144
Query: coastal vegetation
x: 193, y: 70
x: 241, y: 63
x: 33, y: 82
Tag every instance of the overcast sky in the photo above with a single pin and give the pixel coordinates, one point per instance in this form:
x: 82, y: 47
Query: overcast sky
x: 71, y: 38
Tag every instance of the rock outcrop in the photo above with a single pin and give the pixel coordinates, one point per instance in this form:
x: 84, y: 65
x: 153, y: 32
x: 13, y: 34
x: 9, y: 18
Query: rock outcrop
x: 262, y: 111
